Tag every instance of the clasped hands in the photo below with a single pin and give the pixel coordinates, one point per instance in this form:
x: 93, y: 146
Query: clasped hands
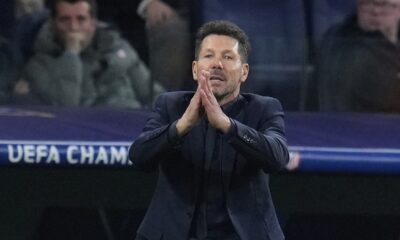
x: 203, y: 103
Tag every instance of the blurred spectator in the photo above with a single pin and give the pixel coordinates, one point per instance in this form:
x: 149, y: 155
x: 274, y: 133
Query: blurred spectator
x: 79, y: 61
x: 359, y: 64
x: 28, y: 7
x: 7, y: 71
x: 161, y: 34
x: 31, y: 14
x: 168, y: 34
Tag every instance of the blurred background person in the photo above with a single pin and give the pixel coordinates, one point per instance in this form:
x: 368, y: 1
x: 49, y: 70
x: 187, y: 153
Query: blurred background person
x: 79, y: 61
x: 30, y: 16
x: 28, y: 7
x: 169, y: 41
x: 359, y: 60
x: 161, y: 33
x: 7, y: 70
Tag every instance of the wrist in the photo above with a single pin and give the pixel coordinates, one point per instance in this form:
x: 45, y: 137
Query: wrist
x: 182, y: 127
x: 73, y: 46
x: 226, y: 125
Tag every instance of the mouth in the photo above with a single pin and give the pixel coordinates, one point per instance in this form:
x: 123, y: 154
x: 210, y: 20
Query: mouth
x: 217, y: 78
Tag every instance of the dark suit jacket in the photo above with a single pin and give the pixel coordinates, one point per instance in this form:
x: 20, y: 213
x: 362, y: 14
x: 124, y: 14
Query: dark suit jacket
x: 255, y: 146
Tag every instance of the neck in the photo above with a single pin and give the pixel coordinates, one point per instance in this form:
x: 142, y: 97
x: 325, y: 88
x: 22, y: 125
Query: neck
x: 227, y: 99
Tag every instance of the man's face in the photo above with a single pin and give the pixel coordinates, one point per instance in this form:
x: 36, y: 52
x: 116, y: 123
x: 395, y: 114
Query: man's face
x: 377, y: 15
x: 74, y: 19
x: 220, y: 56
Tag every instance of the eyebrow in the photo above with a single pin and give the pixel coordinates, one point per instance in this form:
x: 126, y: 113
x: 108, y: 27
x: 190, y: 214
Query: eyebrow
x: 223, y: 51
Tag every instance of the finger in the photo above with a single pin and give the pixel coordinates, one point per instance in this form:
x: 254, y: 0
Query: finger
x: 208, y: 82
x: 212, y: 111
x: 196, y: 101
x: 208, y: 88
x: 205, y: 103
x: 201, y: 80
x: 197, y: 92
x: 204, y: 97
x: 208, y: 102
x: 205, y: 75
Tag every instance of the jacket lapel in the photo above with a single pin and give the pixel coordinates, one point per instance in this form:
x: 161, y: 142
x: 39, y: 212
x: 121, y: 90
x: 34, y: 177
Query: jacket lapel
x: 197, y: 147
x: 228, y: 154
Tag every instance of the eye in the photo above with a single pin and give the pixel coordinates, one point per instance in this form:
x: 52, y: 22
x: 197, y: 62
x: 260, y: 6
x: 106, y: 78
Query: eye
x: 63, y: 19
x: 207, y: 56
x: 228, y: 57
x: 82, y: 18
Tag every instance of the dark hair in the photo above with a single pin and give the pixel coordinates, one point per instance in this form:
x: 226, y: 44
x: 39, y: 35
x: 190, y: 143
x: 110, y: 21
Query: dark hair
x: 226, y: 28
x: 92, y: 3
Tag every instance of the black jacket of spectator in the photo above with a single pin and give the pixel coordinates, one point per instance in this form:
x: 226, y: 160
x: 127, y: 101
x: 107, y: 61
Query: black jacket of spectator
x: 358, y: 70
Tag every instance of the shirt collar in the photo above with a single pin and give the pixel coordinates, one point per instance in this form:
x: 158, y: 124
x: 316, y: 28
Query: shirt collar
x: 230, y: 107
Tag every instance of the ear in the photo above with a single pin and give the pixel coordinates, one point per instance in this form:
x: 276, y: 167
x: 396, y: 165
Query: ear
x: 245, y: 72
x: 194, y: 70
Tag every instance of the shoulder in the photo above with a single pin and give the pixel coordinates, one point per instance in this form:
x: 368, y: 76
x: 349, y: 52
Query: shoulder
x: 339, y: 35
x: 260, y: 103
x: 171, y: 105
x: 259, y: 99
x: 107, y: 36
x: 175, y: 97
x: 45, y: 40
x: 110, y: 43
x: 345, y: 28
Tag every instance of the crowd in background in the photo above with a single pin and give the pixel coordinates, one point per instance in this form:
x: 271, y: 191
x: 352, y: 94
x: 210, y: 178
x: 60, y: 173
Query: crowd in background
x: 312, y: 55
x: 65, y: 55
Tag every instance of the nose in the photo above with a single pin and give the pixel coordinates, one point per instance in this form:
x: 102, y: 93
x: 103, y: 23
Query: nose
x: 217, y: 64
x: 73, y: 25
x: 376, y: 11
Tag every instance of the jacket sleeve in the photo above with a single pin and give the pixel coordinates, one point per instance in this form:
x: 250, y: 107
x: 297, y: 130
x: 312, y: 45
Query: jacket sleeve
x: 144, y: 87
x: 158, y: 139
x: 56, y: 80
x: 113, y: 81
x: 265, y: 146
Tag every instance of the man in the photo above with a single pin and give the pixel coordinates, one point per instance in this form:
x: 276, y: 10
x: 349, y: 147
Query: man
x: 359, y: 63
x: 79, y: 61
x: 213, y: 149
